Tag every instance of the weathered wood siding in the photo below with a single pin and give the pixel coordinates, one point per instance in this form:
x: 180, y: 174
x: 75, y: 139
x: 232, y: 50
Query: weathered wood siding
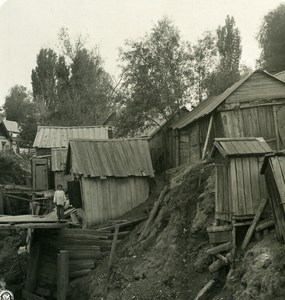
x: 239, y: 187
x: 40, y: 174
x: 258, y: 87
x: 60, y: 178
x: 275, y: 181
x: 104, y: 199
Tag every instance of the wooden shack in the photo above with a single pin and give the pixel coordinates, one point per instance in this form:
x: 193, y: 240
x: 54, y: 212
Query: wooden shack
x: 58, y: 161
x: 274, y: 170
x: 5, y: 138
x: 239, y: 185
x: 252, y: 107
x: 113, y: 174
x: 50, y: 137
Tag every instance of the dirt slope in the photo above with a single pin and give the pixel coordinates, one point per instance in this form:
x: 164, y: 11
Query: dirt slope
x: 171, y: 262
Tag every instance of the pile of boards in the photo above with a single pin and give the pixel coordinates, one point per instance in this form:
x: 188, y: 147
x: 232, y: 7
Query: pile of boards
x: 85, y: 247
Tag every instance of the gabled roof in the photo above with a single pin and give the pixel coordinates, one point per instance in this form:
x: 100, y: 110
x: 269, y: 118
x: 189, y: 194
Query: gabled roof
x: 109, y: 158
x: 58, y: 159
x: 210, y: 104
x: 12, y: 126
x: 240, y: 147
x: 280, y: 75
x: 279, y: 158
x: 59, y: 136
x: 4, y: 131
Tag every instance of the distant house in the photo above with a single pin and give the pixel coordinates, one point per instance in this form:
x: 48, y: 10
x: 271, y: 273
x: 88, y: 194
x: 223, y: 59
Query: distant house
x: 252, y: 107
x: 5, y: 137
x: 51, y: 143
x: 13, y: 129
x: 113, y: 175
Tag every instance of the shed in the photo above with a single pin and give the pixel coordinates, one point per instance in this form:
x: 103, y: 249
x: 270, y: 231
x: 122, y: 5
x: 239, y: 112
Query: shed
x: 58, y: 161
x: 239, y: 185
x: 5, y: 138
x: 273, y: 168
x: 113, y: 174
x: 252, y: 107
x: 49, y: 137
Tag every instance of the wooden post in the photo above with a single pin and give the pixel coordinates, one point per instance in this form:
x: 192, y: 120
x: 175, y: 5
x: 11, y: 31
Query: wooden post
x: 207, y: 137
x: 1, y: 202
x: 62, y: 275
x: 32, y: 273
x: 255, y: 221
x: 276, y: 127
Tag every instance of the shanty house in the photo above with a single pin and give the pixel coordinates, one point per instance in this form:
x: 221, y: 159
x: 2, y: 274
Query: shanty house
x: 49, y: 137
x: 113, y: 174
x: 239, y: 185
x: 274, y: 170
x: 5, y: 138
x: 252, y: 107
x: 13, y: 130
x: 52, y: 142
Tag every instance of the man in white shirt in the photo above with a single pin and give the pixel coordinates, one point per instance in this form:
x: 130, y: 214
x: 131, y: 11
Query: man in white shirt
x: 59, y: 199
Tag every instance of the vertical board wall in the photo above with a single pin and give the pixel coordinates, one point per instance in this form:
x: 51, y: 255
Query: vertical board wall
x: 104, y: 199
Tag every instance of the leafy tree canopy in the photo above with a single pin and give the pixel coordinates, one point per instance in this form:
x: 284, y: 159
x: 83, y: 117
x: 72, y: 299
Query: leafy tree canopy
x: 271, y: 38
x: 156, y: 77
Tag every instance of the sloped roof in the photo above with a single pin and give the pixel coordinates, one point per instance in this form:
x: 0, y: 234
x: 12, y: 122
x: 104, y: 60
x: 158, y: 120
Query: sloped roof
x: 58, y: 159
x: 210, y: 104
x: 278, y: 159
x: 4, y: 131
x: 11, y: 126
x: 116, y: 158
x: 280, y: 75
x: 59, y: 136
x: 240, y: 147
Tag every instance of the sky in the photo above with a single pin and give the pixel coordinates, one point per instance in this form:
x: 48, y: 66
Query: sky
x: 28, y: 25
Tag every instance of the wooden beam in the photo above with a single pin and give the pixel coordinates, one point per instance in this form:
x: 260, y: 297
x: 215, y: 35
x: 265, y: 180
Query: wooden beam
x: 205, y: 290
x: 207, y: 137
x: 264, y: 225
x: 32, y: 273
x: 251, y: 229
x: 62, y: 275
x: 18, y: 197
x: 276, y: 127
x: 220, y: 248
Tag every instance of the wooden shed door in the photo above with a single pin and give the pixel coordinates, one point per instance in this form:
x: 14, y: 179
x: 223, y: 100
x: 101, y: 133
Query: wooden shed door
x: 40, y: 175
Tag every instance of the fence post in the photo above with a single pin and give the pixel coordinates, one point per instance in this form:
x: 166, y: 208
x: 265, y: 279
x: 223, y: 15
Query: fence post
x: 62, y: 275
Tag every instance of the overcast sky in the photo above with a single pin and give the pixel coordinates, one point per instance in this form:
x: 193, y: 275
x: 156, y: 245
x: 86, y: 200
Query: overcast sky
x: 28, y: 25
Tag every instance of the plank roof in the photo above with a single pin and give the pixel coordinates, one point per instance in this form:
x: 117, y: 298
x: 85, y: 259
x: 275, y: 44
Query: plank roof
x: 59, y: 136
x: 58, y: 159
x: 109, y: 158
x: 240, y: 147
x: 209, y: 105
x: 11, y: 126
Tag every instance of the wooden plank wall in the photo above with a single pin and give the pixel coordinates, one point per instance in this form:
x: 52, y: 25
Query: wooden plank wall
x: 247, y: 186
x: 104, y: 199
x: 276, y: 188
x: 223, y: 205
x: 60, y: 178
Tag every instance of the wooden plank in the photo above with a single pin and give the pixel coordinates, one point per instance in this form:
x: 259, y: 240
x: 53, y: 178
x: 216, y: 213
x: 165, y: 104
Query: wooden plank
x: 207, y: 137
x: 241, y: 205
x: 32, y: 273
x: 62, y: 275
x: 205, y: 290
x: 1, y: 202
x: 276, y: 127
x: 220, y: 248
x: 247, y: 186
x: 255, y: 221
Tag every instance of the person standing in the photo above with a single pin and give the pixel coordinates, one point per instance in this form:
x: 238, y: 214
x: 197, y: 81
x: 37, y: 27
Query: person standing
x: 59, y: 199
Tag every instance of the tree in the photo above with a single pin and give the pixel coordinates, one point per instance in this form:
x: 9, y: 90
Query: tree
x: 44, y: 79
x: 271, y: 38
x: 229, y: 49
x: 156, y: 77
x: 204, y: 60
x: 20, y: 108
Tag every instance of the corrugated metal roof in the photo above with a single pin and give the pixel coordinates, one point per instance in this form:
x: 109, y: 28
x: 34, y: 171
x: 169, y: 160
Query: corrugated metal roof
x: 58, y: 136
x: 116, y: 158
x: 241, y: 146
x: 58, y: 159
x: 210, y: 104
